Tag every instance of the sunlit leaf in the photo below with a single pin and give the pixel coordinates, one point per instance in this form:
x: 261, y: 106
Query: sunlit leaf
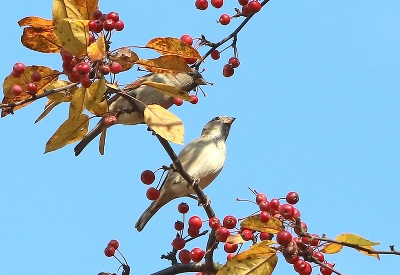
x: 38, y: 35
x: 331, y: 248
x: 70, y: 131
x: 354, y: 239
x: 235, y: 239
x: 260, y: 259
x: 49, y: 107
x: 64, y: 95
x: 77, y: 105
x: 273, y: 226
x: 173, y: 46
x: 48, y: 76
x: 164, y: 64
x: 97, y: 50
x: 94, y: 98
x: 125, y: 57
x: 164, y: 123
x: 168, y: 90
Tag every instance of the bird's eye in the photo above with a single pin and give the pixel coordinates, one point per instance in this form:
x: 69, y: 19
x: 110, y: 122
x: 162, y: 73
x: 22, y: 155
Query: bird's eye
x: 215, y: 118
x: 191, y: 73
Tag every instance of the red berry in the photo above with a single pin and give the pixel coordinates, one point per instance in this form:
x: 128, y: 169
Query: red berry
x: 230, y: 256
x: 215, y: 54
x: 187, y: 39
x: 74, y: 77
x: 99, y: 26
x: 96, y: 14
x: 234, y: 62
x: 69, y: 65
x: 195, y: 222
x: 197, y: 254
x: 184, y: 256
x: 283, y: 238
x: 229, y: 222
x: 217, y: 3
x: 109, y: 25
x: 16, y: 75
x: 194, y: 99
x: 296, y: 214
x: 292, y: 197
x: 299, y: 265
x: 105, y: 69
x: 292, y: 260
x: 289, y: 251
x: 307, y: 270
x: 113, y: 16
x: 303, y: 226
x: 177, y: 101
x: 260, y: 198
x: 230, y: 247
x: 31, y: 88
x: 193, y: 232
x: 147, y: 177
x: 274, y: 204
x: 254, y: 6
x: 115, y: 67
x: 178, y: 243
x: 287, y: 211
x: 224, y: 19
x: 264, y: 236
x: 326, y: 270
x: 264, y: 216
x: 183, y: 208
x: 119, y: 25
x: 222, y: 234
x: 83, y: 68
x: 103, y: 17
x: 85, y: 81
x: 214, y: 223
x: 16, y: 90
x: 264, y: 206
x: 36, y: 76
x: 66, y: 56
x: 247, y: 234
x: 113, y: 243
x: 245, y: 10
x: 19, y: 67
x: 152, y: 193
x: 314, y: 242
x: 201, y: 4
x: 243, y: 2
x: 319, y: 256
x: 109, y: 251
x: 179, y: 225
x: 110, y: 120
x: 228, y: 71
x: 93, y: 25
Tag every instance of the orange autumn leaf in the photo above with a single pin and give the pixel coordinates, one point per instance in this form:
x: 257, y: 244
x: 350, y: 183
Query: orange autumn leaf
x: 164, y: 64
x: 38, y: 35
x: 173, y: 46
x: 126, y: 57
x: 97, y: 50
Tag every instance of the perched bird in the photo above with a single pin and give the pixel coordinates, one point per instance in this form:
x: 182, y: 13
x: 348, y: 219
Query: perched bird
x: 202, y: 158
x: 131, y: 112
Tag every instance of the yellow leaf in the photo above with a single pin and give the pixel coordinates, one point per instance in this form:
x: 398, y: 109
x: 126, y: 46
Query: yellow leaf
x: 94, y: 101
x: 174, y: 46
x: 47, y: 110
x: 332, y: 248
x: 354, y: 239
x: 39, y: 35
x: 77, y: 105
x: 48, y: 76
x: 164, y: 64
x: 273, y: 226
x: 164, y: 123
x: 371, y: 249
x: 62, y: 96
x: 125, y: 57
x: 168, y: 90
x: 235, y: 239
x: 70, y: 131
x: 102, y: 141
x: 97, y: 50
x: 260, y: 259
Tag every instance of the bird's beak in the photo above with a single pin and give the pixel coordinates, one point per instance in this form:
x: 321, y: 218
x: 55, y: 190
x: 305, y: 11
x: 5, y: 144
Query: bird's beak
x: 229, y: 120
x: 200, y: 81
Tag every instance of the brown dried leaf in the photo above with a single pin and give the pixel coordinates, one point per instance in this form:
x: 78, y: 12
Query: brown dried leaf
x: 39, y: 35
x: 97, y: 50
x: 94, y: 101
x: 235, y: 239
x: 77, y: 105
x: 173, y: 46
x: 48, y: 76
x: 62, y: 96
x: 49, y: 107
x: 273, y: 226
x: 164, y: 123
x: 164, y: 64
x: 260, y: 259
x: 168, y: 90
x: 125, y: 57
x: 70, y: 131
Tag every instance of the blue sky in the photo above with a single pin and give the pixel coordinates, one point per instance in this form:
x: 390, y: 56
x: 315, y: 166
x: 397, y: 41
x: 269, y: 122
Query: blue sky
x: 316, y: 100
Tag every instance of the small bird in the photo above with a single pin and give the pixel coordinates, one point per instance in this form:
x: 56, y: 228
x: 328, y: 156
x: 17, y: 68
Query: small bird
x: 131, y: 113
x: 203, y: 159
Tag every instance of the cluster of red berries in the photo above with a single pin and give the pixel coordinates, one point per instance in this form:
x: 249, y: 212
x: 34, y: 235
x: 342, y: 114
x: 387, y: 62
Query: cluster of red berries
x: 111, y: 247
x: 31, y: 87
x: 148, y: 177
x: 107, y: 22
x: 229, y: 68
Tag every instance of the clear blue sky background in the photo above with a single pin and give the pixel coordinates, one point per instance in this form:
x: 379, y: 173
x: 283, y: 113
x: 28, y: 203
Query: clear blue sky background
x: 317, y: 104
